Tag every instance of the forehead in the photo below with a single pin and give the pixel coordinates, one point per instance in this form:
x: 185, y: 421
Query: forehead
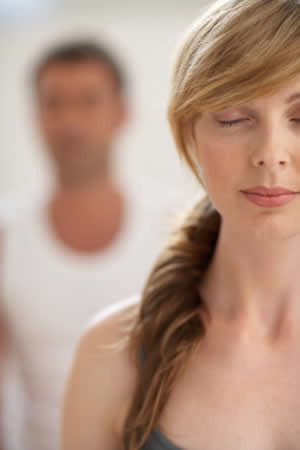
x: 65, y: 76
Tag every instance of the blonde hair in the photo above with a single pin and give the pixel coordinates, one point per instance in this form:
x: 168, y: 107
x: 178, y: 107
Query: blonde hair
x: 237, y: 51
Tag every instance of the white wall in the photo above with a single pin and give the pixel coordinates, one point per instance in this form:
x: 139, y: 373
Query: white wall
x: 144, y: 34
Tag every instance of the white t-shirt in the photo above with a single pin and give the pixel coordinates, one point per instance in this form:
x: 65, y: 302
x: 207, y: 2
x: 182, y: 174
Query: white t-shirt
x: 49, y: 294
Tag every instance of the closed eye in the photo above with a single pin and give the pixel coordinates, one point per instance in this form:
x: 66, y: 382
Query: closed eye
x: 230, y: 123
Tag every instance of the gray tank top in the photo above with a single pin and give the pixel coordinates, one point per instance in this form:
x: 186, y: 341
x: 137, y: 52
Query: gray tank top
x: 157, y: 440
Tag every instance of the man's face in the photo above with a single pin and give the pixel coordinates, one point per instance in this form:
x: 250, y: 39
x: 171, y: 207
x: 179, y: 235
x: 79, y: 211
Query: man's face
x: 80, y: 110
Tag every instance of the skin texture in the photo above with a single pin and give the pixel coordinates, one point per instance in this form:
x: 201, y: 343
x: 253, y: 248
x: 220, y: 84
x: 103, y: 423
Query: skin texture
x: 241, y: 390
x: 258, y: 247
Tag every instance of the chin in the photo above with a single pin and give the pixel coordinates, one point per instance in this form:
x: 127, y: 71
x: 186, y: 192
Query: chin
x: 263, y: 226
x: 274, y: 227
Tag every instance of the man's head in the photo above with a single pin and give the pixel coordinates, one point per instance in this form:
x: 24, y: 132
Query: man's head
x: 81, y: 106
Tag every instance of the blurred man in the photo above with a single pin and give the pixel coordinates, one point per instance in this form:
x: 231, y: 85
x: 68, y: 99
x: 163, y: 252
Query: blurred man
x: 89, y: 245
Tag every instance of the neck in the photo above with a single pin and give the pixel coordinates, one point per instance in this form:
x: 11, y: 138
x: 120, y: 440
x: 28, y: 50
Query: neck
x: 255, y: 281
x: 88, y: 218
x: 98, y: 172
x: 86, y: 194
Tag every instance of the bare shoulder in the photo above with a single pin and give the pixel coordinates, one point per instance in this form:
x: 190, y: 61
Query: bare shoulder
x: 110, y: 319
x: 106, y: 331
x: 101, y: 381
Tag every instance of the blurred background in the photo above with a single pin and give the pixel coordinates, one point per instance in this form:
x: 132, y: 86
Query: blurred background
x: 46, y: 287
x: 143, y: 34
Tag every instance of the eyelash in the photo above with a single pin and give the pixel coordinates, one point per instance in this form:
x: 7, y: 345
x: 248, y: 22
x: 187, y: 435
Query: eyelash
x: 231, y: 123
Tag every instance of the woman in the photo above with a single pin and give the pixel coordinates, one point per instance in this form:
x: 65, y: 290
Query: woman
x: 210, y: 354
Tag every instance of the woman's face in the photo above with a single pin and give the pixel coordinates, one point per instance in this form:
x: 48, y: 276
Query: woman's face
x: 256, y: 144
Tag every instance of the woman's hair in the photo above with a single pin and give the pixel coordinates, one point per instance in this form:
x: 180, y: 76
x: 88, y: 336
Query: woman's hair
x: 237, y: 51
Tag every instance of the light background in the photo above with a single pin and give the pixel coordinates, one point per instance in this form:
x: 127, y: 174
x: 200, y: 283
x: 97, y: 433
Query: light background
x: 144, y: 36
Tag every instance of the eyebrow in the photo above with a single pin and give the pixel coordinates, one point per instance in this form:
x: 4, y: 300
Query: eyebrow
x: 293, y: 97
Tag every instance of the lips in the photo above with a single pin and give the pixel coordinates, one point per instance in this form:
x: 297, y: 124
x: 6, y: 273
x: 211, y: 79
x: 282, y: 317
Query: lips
x: 269, y: 192
x: 269, y: 197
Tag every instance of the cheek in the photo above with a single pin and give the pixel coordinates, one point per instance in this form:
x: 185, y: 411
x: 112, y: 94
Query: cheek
x: 104, y: 121
x: 220, y: 162
x: 50, y: 130
x: 222, y: 167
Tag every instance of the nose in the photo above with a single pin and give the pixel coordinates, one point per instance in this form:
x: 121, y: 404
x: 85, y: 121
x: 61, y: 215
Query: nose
x: 262, y: 162
x: 271, y: 148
